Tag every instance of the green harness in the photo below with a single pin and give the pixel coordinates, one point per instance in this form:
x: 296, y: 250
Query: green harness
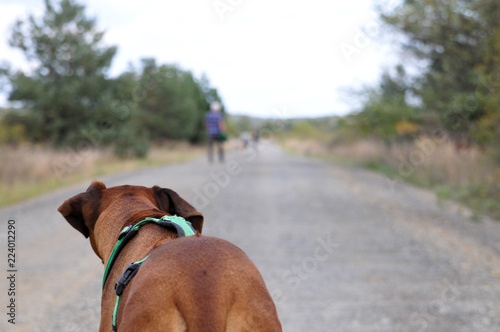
x: 179, y: 224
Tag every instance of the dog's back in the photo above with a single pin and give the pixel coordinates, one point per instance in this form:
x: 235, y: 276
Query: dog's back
x: 197, y: 284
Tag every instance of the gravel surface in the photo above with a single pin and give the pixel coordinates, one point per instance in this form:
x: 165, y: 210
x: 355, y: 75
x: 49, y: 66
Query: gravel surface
x: 340, y: 249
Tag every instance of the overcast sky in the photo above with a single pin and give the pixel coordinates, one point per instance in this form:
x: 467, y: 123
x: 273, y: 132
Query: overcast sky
x: 266, y: 58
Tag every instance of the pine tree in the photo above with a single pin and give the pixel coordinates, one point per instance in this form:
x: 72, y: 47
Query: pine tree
x: 67, y: 91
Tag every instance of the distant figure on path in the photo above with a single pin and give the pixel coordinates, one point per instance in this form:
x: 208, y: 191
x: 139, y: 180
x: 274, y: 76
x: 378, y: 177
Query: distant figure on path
x: 245, y: 139
x: 216, y: 129
x: 256, y: 137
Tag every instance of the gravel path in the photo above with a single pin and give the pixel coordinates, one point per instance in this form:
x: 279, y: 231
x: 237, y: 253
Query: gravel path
x: 340, y: 249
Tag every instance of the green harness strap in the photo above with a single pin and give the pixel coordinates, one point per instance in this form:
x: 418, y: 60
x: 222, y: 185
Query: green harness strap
x: 122, y: 282
x: 181, y: 226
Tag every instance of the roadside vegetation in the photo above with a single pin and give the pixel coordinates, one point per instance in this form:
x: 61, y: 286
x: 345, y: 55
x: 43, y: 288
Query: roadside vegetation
x: 433, y: 119
x: 465, y: 175
x: 29, y: 170
x: 70, y: 121
x: 67, y: 99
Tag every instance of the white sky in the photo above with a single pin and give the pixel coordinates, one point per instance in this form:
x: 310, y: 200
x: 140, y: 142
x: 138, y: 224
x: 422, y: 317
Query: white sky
x: 281, y: 58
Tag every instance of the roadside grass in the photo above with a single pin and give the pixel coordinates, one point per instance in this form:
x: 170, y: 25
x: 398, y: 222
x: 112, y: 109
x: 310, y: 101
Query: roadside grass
x: 28, y: 170
x: 467, y: 175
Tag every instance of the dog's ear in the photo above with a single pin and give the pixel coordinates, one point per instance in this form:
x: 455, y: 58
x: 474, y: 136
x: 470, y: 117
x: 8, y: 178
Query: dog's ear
x: 71, y: 209
x: 169, y: 201
x: 77, y: 211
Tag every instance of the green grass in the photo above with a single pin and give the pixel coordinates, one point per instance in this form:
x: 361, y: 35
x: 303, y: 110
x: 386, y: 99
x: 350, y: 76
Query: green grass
x: 482, y: 198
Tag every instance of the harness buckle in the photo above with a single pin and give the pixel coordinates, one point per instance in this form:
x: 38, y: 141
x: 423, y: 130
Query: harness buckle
x: 180, y: 225
x: 125, y: 277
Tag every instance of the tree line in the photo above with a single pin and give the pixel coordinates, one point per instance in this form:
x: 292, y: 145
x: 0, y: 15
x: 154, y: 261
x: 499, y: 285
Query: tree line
x: 454, y: 48
x: 68, y: 99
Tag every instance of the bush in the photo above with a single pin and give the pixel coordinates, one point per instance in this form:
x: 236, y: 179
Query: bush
x: 306, y: 130
x: 12, y: 135
x: 130, y: 146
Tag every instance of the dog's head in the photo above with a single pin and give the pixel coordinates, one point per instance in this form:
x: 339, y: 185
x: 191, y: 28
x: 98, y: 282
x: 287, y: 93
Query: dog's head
x: 83, y: 210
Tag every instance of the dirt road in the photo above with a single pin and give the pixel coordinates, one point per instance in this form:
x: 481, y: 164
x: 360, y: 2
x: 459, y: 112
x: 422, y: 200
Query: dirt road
x: 340, y: 249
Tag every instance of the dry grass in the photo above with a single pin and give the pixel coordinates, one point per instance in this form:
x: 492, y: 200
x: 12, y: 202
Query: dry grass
x: 467, y: 175
x: 30, y: 170
x: 440, y: 162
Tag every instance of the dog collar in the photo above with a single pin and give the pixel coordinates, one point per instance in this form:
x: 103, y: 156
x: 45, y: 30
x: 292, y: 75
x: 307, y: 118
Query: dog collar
x: 178, y: 224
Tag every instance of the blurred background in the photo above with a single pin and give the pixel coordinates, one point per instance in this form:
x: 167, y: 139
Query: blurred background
x: 95, y: 87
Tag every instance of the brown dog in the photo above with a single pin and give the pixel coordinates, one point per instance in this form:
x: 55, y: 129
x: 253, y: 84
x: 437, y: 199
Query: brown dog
x: 195, y: 284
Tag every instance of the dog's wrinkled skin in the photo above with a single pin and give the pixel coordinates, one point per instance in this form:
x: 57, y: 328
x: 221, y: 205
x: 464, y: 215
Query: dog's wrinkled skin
x: 195, y: 284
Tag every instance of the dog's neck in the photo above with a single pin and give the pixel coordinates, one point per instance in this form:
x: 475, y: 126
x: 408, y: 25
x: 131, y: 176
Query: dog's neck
x: 110, y: 224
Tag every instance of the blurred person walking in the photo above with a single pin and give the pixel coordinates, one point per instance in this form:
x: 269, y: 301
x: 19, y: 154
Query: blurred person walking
x: 216, y: 130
